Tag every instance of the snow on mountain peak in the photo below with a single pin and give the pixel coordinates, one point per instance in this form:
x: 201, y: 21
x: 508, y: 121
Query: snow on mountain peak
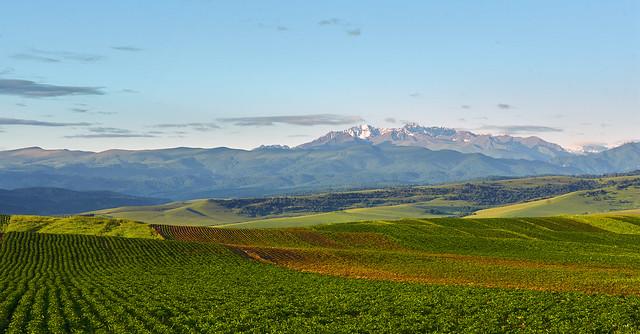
x: 441, y: 138
x: 363, y: 131
x: 366, y: 131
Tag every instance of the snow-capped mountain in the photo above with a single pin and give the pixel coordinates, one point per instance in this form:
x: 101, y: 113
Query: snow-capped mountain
x: 440, y: 138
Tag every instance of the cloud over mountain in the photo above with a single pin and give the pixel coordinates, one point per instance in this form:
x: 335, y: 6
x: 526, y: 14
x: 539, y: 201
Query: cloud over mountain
x: 304, y: 120
x: 202, y: 127
x: 109, y: 132
x: 519, y: 129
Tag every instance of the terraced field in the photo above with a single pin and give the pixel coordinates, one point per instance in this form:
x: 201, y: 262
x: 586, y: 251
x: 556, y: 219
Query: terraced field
x: 426, y: 275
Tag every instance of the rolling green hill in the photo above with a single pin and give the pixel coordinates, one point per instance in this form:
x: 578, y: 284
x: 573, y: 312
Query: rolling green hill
x: 603, y: 200
x: 435, y: 208
x: 382, y: 204
x: 196, y: 212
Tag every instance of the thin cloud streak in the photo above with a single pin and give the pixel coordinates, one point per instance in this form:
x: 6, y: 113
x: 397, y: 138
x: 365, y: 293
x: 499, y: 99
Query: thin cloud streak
x: 28, y: 122
x: 109, y: 132
x: 303, y: 120
x: 195, y: 126
x: 56, y: 56
x: 110, y: 135
x: 127, y: 48
x: 26, y: 56
x: 27, y: 88
x: 517, y: 129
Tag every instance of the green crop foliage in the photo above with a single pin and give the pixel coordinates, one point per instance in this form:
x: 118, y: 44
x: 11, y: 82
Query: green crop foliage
x: 81, y: 284
x: 4, y: 221
x: 80, y: 225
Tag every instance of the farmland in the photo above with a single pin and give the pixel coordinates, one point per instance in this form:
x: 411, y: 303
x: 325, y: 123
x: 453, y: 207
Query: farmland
x: 449, y: 200
x: 80, y: 283
x: 92, y: 274
x: 608, y: 199
x: 76, y: 225
x: 579, y: 253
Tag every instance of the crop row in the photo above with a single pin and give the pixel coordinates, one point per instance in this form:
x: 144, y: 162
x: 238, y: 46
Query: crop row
x: 302, y: 238
x: 74, y: 283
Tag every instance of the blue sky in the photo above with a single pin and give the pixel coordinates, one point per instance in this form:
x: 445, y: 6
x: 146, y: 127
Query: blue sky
x: 138, y: 74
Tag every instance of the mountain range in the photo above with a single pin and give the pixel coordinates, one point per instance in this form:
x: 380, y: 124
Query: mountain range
x: 439, y: 138
x: 359, y: 157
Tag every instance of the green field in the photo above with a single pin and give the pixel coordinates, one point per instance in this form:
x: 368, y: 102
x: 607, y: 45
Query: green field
x: 431, y: 275
x: 417, y: 210
x: 207, y: 213
x: 196, y: 212
x: 604, y: 200
x: 582, y: 253
x: 77, y: 225
x: 450, y: 200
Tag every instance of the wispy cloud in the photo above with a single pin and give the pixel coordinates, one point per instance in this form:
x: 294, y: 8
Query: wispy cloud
x: 519, y: 129
x: 304, y: 120
x: 504, y: 106
x: 464, y: 106
x: 109, y: 132
x: 56, y: 56
x: 111, y: 135
x: 27, y: 88
x: 278, y: 27
x: 331, y: 22
x: 28, y: 122
x: 390, y: 120
x: 79, y: 110
x: 27, y: 56
x: 354, y: 32
x: 415, y: 95
x: 127, y: 48
x: 346, y: 26
x: 202, y: 127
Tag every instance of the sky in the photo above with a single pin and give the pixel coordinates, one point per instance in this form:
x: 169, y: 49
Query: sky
x: 97, y: 75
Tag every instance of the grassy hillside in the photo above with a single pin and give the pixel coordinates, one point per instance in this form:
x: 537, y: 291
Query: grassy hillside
x: 436, y: 208
x: 77, y: 225
x: 603, y: 200
x: 235, y: 282
x: 388, y: 203
x: 197, y: 212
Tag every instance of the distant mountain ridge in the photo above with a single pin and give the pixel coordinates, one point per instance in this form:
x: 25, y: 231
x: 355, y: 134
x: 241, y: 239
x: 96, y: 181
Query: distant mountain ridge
x: 56, y: 201
x: 360, y: 157
x: 183, y: 173
x: 440, y: 138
